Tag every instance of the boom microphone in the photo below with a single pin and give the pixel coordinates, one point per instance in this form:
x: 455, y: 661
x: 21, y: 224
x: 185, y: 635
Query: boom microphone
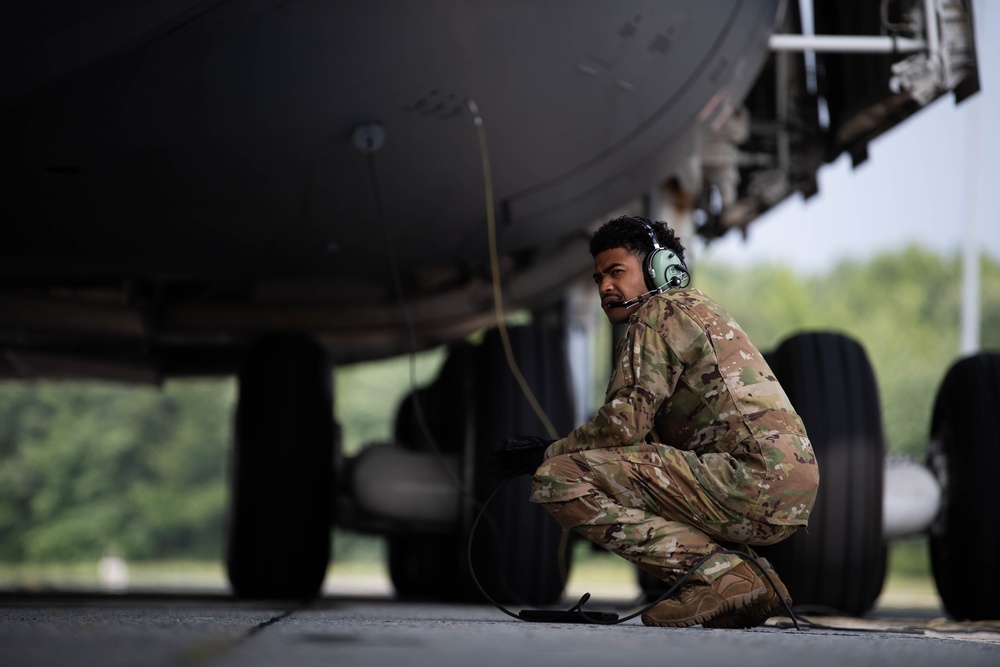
x: 672, y: 283
x: 631, y: 302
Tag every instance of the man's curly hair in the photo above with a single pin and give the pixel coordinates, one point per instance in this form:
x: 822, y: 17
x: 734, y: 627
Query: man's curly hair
x: 630, y: 233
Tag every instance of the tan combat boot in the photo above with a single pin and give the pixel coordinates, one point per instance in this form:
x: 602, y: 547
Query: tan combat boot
x: 755, y: 614
x: 698, y: 603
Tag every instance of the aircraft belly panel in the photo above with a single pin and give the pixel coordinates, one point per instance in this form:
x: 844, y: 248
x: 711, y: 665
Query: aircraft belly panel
x: 195, y: 171
x: 228, y: 140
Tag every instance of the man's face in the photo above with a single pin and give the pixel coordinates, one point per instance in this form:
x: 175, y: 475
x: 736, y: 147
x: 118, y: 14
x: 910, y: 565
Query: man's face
x: 619, y: 277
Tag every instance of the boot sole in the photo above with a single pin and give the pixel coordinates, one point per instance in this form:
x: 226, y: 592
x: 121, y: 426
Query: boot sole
x: 732, y: 604
x: 748, y: 617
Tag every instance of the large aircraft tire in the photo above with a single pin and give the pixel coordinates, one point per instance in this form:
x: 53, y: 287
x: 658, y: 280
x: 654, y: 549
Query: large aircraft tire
x: 965, y: 455
x: 281, y: 471
x: 515, y: 548
x: 518, y: 552
x: 839, y: 563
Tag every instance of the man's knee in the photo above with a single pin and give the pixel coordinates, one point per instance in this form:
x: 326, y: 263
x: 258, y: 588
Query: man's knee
x: 568, y: 467
x: 560, y: 479
x: 571, y: 514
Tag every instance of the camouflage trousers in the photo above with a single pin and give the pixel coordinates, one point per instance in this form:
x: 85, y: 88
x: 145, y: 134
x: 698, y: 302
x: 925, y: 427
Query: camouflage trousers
x: 644, y: 504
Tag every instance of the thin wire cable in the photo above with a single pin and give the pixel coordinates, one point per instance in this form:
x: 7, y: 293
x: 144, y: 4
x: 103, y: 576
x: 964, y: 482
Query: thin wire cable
x: 501, y: 316
x: 495, y: 273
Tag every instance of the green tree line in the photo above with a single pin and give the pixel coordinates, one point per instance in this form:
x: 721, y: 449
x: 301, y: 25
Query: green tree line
x: 88, y: 468
x: 904, y: 308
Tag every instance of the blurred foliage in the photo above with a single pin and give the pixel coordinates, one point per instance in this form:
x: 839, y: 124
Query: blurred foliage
x: 903, y: 308
x: 910, y: 557
x: 92, y: 468
x: 366, y: 395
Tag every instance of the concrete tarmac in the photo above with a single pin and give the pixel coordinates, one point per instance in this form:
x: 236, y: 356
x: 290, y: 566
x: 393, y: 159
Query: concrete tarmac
x: 138, y: 630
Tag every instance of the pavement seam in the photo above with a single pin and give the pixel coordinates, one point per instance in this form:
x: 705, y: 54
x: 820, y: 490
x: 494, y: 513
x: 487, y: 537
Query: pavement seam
x: 203, y: 653
x: 271, y: 621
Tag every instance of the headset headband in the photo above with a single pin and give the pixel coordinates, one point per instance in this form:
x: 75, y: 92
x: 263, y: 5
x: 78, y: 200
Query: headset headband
x: 651, y: 231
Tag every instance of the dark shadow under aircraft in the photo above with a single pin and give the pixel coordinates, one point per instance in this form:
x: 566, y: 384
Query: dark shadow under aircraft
x: 264, y: 188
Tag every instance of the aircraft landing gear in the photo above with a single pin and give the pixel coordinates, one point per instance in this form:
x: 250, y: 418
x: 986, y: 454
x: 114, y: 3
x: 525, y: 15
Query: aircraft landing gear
x: 840, y: 562
x: 474, y: 404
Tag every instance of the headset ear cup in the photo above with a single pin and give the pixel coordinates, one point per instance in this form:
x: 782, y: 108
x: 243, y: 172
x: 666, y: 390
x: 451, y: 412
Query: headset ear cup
x: 665, y: 270
x: 660, y: 263
x: 654, y: 277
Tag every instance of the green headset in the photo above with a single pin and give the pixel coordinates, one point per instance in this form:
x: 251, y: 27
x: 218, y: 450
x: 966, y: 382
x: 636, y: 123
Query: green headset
x: 662, y: 268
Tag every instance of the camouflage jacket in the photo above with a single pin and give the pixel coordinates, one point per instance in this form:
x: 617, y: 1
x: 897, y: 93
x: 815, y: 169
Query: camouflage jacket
x: 687, y: 376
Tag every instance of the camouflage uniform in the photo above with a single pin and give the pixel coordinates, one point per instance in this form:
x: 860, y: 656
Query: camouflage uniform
x: 696, y: 448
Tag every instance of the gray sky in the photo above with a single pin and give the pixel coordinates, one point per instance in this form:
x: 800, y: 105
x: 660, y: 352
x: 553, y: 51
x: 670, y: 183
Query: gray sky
x: 930, y: 181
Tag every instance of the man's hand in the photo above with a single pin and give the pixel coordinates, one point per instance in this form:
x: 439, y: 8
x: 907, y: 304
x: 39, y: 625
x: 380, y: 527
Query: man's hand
x: 518, y: 455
